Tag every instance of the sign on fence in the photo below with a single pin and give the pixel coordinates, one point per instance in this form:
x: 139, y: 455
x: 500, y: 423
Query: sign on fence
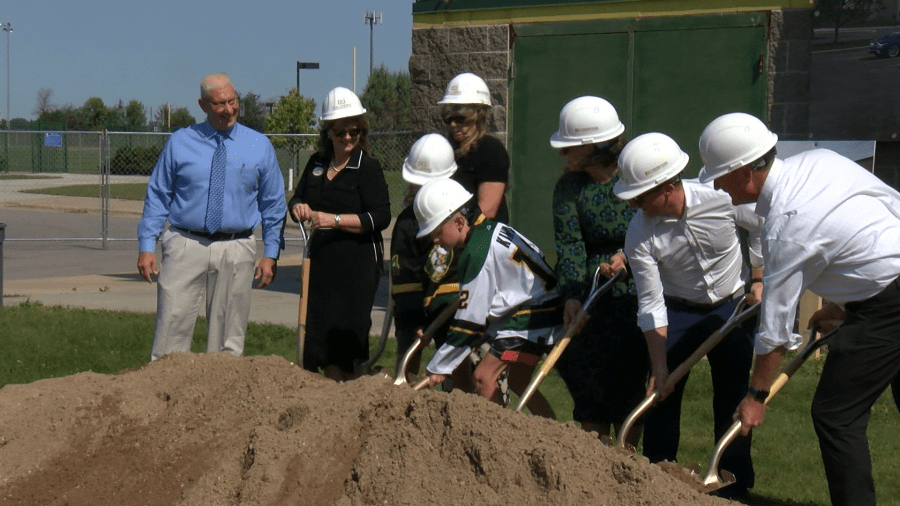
x: 53, y: 139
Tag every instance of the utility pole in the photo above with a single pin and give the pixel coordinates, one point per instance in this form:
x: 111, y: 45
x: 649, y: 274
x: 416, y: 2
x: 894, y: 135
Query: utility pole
x: 7, y: 27
x: 372, y: 20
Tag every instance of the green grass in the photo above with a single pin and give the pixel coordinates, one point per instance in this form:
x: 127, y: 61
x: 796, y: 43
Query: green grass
x: 49, y: 342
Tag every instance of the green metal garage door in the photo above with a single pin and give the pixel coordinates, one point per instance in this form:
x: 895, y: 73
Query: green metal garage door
x: 672, y: 75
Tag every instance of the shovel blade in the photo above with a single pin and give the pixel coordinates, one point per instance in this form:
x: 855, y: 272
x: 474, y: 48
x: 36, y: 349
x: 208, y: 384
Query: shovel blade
x: 715, y: 481
x: 625, y: 448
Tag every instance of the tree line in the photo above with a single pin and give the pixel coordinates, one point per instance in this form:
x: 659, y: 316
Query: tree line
x: 386, y: 97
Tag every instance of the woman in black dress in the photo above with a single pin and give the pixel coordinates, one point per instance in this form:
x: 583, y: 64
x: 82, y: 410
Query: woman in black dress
x: 343, y: 194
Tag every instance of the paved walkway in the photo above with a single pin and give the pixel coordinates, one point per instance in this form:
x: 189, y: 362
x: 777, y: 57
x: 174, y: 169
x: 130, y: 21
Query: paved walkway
x: 79, y: 273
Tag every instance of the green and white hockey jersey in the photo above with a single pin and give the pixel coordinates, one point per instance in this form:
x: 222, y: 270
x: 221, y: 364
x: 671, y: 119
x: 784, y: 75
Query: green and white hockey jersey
x: 507, y: 291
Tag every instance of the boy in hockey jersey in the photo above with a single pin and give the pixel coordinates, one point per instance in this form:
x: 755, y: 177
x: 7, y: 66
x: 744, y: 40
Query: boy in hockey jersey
x: 507, y: 292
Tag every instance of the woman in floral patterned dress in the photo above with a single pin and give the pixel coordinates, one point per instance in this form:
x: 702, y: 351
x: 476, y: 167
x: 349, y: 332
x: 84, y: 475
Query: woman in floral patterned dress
x: 605, y: 367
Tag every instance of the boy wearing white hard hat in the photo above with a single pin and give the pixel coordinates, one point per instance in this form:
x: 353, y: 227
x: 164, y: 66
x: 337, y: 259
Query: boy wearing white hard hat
x: 506, y: 291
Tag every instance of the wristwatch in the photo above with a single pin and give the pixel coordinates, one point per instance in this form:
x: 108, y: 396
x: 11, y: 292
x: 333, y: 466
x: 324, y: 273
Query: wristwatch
x: 759, y: 395
x: 337, y: 221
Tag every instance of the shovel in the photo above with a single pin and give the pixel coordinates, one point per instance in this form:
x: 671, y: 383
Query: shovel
x: 365, y: 367
x: 304, y: 296
x: 442, y: 317
x: 574, y: 327
x: 739, y: 316
x: 713, y: 479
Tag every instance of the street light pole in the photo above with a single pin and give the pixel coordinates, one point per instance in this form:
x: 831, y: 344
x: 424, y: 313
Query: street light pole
x: 304, y: 65
x: 7, y: 27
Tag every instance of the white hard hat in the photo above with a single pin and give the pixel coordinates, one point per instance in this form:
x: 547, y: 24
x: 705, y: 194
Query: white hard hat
x: 732, y: 141
x: 430, y: 157
x: 586, y: 120
x: 436, y: 201
x: 467, y: 88
x: 341, y: 103
x: 646, y: 162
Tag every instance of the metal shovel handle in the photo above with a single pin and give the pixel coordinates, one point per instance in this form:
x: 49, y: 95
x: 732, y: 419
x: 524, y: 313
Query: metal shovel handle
x: 713, y: 480
x: 365, y: 367
x: 739, y: 316
x: 304, y: 296
x: 442, y: 317
x: 574, y: 326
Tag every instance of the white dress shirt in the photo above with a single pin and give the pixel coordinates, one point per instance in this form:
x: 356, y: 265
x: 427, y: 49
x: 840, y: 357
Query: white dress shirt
x: 831, y: 227
x: 696, y: 257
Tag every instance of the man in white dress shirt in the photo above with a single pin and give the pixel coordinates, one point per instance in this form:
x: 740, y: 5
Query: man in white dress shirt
x: 684, y: 250
x: 833, y: 228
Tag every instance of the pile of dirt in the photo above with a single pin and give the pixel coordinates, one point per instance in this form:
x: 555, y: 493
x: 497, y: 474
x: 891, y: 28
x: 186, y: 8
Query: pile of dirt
x: 220, y: 430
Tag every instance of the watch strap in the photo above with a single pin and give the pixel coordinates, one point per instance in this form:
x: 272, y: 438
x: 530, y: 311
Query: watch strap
x: 759, y: 395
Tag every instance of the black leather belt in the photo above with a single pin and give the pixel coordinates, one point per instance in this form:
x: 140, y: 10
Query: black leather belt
x: 700, y: 305
x: 219, y: 236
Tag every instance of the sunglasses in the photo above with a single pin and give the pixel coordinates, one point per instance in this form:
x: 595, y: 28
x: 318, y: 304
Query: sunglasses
x: 458, y: 119
x: 354, y: 132
x: 639, y: 200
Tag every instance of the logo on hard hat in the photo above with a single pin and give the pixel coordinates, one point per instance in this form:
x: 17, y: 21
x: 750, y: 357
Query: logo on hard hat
x: 656, y: 169
x: 454, y: 90
x: 341, y: 103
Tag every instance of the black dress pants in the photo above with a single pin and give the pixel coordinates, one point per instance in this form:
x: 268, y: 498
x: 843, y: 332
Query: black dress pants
x: 863, y: 359
x: 729, y: 363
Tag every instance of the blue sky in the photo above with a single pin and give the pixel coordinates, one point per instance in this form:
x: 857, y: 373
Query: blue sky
x: 157, y: 51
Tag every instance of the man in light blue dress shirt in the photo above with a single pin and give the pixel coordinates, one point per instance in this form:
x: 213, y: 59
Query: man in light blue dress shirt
x: 204, y: 256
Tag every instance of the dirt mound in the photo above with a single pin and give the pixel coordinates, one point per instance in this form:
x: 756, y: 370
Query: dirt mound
x: 219, y: 430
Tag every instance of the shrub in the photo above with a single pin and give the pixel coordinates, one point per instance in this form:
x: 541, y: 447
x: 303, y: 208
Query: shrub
x: 134, y: 160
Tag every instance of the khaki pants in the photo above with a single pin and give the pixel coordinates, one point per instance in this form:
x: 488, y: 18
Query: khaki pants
x: 191, y: 268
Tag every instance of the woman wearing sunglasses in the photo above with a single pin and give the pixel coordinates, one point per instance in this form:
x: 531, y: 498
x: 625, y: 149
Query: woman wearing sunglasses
x: 343, y: 194
x: 606, y: 367
x: 482, y: 160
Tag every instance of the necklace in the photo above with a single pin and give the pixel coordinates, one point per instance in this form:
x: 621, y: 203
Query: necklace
x: 333, y: 167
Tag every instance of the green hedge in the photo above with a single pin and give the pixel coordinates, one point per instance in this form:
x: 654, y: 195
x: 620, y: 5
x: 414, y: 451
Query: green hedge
x: 134, y: 161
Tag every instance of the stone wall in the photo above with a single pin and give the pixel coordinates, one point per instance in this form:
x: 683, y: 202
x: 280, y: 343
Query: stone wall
x: 440, y: 53
x: 788, y: 96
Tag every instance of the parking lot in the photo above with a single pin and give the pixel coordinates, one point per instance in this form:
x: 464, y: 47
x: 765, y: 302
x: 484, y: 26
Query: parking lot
x: 854, y: 94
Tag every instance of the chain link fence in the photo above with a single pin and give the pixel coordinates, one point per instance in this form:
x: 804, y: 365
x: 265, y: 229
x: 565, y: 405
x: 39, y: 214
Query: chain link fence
x: 106, y: 173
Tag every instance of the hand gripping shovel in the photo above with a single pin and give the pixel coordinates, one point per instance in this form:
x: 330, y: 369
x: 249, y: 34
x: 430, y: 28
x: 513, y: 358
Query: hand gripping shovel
x: 442, y: 317
x: 739, y: 316
x: 574, y: 327
x: 713, y: 479
x: 304, y: 296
